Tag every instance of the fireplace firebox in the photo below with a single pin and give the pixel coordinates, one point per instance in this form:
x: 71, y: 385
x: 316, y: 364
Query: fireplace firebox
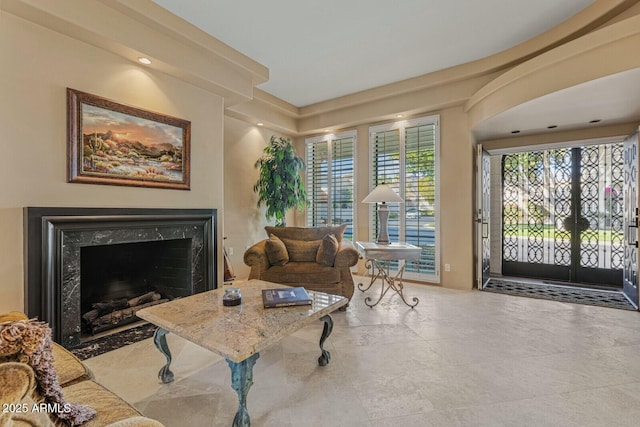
x: 118, y: 280
x: 88, y: 270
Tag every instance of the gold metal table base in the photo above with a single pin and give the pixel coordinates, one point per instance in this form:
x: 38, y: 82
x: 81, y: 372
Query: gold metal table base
x: 388, y: 281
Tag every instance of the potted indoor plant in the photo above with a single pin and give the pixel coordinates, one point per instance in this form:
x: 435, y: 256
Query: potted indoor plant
x: 280, y: 185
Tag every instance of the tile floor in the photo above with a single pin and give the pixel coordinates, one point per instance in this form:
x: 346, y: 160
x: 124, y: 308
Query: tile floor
x: 460, y: 358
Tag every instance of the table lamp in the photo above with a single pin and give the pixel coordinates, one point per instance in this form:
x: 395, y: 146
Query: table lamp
x: 383, y: 194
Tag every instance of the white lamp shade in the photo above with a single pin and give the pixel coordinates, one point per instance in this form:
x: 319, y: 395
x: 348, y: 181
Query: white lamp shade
x: 383, y: 194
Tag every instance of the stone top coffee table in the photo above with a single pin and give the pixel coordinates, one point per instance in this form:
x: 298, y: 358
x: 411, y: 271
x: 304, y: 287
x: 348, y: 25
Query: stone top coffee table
x: 240, y: 332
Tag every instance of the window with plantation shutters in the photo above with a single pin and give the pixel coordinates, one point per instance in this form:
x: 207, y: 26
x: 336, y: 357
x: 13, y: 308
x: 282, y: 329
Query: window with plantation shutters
x: 385, y: 168
x: 404, y: 155
x: 330, y: 180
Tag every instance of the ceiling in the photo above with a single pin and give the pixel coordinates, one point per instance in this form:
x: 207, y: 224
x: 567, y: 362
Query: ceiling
x: 317, y: 51
x: 609, y: 100
x: 321, y: 50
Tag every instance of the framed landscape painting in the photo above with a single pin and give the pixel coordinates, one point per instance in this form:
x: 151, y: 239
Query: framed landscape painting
x: 115, y: 144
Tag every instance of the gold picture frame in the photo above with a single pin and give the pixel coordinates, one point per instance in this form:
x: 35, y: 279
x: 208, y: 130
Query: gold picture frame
x: 116, y: 144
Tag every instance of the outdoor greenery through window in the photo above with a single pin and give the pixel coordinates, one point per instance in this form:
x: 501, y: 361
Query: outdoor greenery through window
x: 330, y: 183
x: 405, y: 156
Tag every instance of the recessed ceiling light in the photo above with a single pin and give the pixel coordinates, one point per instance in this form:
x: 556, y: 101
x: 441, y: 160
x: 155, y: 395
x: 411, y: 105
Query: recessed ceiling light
x: 260, y: 124
x: 399, y: 116
x: 327, y: 130
x: 515, y: 131
x: 143, y: 60
x: 552, y: 126
x: 595, y: 121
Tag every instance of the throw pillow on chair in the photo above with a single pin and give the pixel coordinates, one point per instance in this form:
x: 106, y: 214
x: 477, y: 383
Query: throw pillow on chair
x: 328, y: 250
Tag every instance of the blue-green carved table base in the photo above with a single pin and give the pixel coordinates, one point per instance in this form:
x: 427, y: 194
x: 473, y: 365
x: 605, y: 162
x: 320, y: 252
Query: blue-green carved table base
x: 325, y: 357
x: 241, y: 372
x: 160, y: 340
x: 241, y: 381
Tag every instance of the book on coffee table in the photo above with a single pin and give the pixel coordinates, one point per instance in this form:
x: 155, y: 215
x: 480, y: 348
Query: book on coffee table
x: 285, y: 297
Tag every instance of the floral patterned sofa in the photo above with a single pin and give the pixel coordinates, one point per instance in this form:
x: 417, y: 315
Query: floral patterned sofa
x: 28, y: 383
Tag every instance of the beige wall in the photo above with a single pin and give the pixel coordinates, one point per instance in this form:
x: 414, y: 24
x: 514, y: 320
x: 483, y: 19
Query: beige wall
x: 244, y: 221
x: 457, y: 199
x: 43, y: 64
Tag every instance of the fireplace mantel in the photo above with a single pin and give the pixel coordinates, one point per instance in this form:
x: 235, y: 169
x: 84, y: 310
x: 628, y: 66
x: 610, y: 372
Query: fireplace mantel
x: 55, y: 235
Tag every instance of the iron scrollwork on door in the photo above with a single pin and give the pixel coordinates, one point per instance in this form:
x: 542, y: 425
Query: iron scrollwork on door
x: 563, y: 208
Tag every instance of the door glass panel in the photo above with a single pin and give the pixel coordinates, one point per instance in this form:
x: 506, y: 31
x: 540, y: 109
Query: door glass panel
x: 536, y: 202
x: 601, y: 203
x: 560, y: 169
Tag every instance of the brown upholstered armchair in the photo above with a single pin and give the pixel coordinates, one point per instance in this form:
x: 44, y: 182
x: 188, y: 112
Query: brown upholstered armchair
x: 317, y: 258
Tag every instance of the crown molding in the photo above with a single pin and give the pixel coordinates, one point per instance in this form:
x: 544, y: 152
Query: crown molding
x: 595, y: 55
x: 444, y: 88
x: 595, y: 15
x: 132, y: 29
x: 142, y: 28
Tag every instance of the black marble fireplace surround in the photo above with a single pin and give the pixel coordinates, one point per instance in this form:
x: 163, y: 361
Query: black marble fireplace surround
x: 53, y: 242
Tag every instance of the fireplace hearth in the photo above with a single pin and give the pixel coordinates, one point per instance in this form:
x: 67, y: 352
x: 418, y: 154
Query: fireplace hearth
x: 87, y: 269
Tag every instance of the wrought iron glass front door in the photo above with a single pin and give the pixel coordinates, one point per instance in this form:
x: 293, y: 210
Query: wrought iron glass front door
x: 563, y: 214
